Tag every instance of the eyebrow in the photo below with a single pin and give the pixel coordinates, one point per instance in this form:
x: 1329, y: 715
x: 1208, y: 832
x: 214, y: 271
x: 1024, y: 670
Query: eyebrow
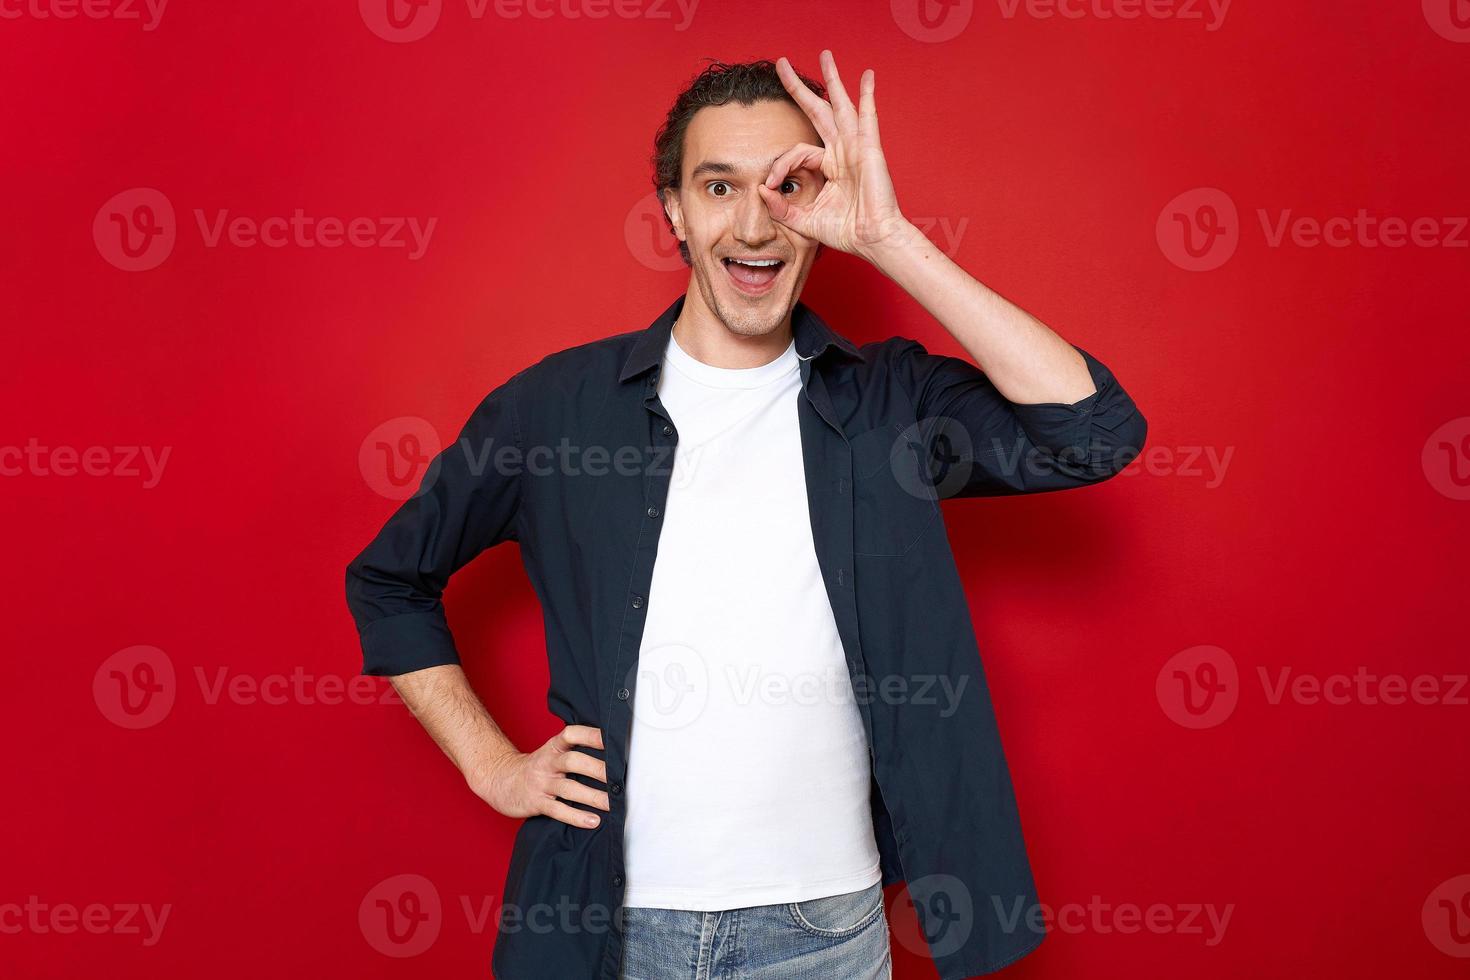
x: 722, y: 169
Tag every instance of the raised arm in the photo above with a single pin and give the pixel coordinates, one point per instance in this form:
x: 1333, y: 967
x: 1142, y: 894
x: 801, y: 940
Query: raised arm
x: 976, y: 442
x: 1030, y: 411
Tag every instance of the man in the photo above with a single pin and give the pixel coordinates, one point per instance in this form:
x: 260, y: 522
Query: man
x: 758, y: 640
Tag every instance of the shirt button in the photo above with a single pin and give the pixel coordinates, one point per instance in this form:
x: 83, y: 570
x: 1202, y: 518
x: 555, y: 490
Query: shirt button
x: 637, y: 602
x: 653, y: 512
x: 624, y: 694
x: 617, y: 881
x: 615, y: 788
x: 668, y: 430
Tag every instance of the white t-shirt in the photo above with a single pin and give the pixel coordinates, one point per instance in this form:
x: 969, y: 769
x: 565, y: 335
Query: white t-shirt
x: 748, y: 770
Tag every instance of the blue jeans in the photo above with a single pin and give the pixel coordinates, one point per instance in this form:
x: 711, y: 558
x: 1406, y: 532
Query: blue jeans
x: 841, y: 937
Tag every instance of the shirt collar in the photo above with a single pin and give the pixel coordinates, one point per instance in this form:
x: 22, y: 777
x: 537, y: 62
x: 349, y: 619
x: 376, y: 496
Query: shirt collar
x: 812, y: 335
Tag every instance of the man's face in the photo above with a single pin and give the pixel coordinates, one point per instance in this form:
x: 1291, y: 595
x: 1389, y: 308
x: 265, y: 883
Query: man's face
x: 719, y: 214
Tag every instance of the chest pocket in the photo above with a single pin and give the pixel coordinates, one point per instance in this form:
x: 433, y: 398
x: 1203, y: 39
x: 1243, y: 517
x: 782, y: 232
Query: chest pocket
x: 894, y: 504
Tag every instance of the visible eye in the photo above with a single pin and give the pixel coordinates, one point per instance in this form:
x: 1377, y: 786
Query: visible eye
x: 719, y: 184
x: 788, y: 182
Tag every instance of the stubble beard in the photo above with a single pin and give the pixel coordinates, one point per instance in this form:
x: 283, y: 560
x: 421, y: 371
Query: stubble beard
x: 755, y: 321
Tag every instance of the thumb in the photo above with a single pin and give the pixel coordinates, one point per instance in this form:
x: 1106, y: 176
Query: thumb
x: 782, y: 210
x: 776, y: 203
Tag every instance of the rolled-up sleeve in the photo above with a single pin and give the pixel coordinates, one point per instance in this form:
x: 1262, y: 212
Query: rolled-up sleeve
x: 981, y: 444
x: 469, y: 500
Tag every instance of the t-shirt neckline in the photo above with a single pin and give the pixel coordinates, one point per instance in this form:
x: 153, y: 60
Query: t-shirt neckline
x: 718, y: 377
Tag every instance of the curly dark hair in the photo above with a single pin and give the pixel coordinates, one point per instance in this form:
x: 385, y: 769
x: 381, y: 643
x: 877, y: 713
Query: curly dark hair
x: 718, y: 84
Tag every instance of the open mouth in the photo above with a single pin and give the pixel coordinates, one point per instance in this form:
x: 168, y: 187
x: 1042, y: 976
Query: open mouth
x: 753, y: 275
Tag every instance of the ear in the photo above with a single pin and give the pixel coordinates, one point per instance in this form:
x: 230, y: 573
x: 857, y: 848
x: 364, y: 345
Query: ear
x: 675, y: 212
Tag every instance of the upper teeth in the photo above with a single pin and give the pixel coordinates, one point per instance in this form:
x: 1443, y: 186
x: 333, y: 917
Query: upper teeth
x: 757, y: 262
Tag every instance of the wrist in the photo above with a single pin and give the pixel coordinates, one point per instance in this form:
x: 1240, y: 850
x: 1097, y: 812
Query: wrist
x: 485, y: 768
x: 899, y: 240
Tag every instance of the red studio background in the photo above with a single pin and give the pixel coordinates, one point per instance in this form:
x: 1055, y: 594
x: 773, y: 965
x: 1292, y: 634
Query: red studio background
x: 1254, y: 212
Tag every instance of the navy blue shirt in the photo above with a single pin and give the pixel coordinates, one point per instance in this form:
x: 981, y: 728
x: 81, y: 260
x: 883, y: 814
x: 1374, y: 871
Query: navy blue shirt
x: 572, y: 458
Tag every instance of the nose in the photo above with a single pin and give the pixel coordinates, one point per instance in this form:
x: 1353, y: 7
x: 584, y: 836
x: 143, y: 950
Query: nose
x: 754, y: 225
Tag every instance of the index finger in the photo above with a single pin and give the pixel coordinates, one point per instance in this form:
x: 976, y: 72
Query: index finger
x: 573, y: 735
